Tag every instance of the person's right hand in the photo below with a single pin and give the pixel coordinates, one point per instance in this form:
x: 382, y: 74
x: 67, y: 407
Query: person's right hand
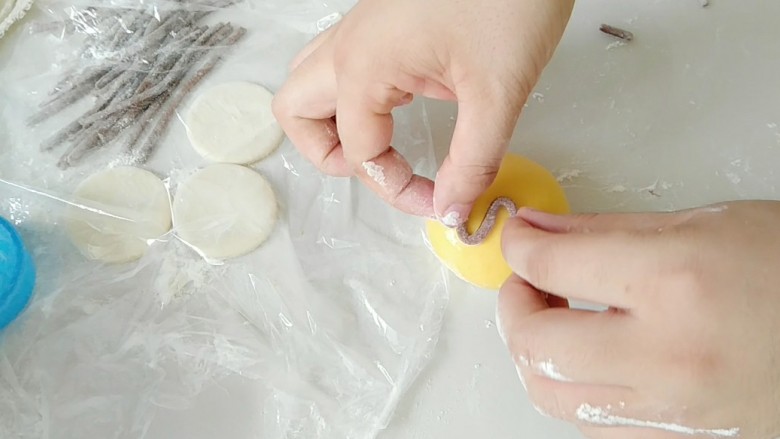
x: 689, y: 344
x: 487, y: 55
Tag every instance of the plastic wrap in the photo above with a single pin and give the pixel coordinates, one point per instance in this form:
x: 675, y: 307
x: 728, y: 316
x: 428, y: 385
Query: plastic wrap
x: 316, y: 334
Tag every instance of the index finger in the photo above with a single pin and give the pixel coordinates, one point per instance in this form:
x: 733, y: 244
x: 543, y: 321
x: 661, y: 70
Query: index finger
x: 611, y: 268
x: 365, y: 126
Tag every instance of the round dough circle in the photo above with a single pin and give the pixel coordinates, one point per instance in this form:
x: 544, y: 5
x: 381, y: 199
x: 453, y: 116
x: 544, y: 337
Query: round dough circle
x: 527, y: 184
x: 233, y: 123
x: 225, y: 211
x: 121, y: 210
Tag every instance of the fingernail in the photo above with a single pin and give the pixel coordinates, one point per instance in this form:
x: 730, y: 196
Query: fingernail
x: 456, y: 215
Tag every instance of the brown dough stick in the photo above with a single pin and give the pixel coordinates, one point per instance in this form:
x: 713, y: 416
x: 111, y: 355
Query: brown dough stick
x: 177, y: 96
x: 108, y: 78
x: 104, y: 131
x: 148, y: 109
x: 179, y: 69
x: 137, y: 129
x: 84, y: 142
x: 62, y: 136
x: 176, y: 52
x: 617, y: 32
x: 104, y: 30
x: 127, y: 25
x: 120, y: 95
x: 75, y: 82
x: 127, y: 71
x: 62, y: 102
x: 76, y: 127
x: 488, y: 223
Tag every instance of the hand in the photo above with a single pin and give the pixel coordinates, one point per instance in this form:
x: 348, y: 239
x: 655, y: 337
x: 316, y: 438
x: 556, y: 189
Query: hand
x: 487, y: 55
x: 690, y: 342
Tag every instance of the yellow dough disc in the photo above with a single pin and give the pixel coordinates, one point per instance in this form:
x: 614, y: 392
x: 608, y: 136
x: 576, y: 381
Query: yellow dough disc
x: 525, y: 182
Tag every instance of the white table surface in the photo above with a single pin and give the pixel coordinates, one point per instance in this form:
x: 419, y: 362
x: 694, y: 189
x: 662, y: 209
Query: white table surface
x: 688, y: 113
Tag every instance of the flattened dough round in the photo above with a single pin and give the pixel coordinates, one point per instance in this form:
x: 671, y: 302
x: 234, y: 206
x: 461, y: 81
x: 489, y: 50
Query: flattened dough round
x: 225, y: 211
x: 122, y: 210
x: 233, y: 123
x: 526, y: 183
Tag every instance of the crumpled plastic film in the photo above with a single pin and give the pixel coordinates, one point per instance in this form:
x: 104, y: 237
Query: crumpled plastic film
x: 316, y: 334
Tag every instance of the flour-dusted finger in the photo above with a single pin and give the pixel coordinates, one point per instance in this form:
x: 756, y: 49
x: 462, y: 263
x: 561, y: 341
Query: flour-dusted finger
x: 569, y: 345
x: 365, y: 124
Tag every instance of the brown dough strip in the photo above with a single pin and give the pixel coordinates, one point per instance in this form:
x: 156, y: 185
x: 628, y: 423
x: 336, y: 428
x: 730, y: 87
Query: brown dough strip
x: 617, y: 32
x: 488, y: 223
x: 143, y: 151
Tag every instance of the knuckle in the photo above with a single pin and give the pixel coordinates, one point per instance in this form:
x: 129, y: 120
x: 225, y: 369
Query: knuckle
x: 697, y: 367
x: 471, y: 173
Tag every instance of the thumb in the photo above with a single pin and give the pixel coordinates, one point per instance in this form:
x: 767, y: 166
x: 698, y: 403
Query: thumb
x: 601, y: 222
x: 517, y: 302
x: 480, y: 140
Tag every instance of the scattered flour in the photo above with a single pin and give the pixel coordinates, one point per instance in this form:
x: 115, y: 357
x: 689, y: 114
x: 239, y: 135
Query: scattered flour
x: 615, y: 44
x: 733, y: 178
x: 651, y: 189
x: 568, y: 175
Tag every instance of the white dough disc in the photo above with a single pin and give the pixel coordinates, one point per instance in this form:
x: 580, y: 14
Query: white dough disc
x: 233, y: 123
x: 121, y: 210
x: 225, y: 211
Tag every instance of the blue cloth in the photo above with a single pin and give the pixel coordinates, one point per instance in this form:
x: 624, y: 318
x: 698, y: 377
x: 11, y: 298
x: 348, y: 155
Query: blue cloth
x: 17, y: 274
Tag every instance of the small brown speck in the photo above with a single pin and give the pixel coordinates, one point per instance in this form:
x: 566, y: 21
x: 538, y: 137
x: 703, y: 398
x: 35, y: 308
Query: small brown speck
x: 617, y: 32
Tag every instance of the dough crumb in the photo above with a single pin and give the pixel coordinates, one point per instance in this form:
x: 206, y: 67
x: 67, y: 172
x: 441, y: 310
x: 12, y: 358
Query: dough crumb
x: 568, y: 175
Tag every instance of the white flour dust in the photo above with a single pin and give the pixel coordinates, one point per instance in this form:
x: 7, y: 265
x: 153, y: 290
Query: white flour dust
x: 568, y: 174
x: 733, y: 178
x: 549, y: 370
x: 376, y: 172
x: 713, y: 209
x: 617, y: 188
x: 600, y: 416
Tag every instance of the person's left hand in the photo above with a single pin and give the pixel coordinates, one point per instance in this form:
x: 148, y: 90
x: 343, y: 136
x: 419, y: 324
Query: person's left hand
x: 690, y: 342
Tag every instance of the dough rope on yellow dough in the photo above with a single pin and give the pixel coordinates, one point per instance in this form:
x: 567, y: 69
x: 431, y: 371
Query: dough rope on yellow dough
x: 526, y: 184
